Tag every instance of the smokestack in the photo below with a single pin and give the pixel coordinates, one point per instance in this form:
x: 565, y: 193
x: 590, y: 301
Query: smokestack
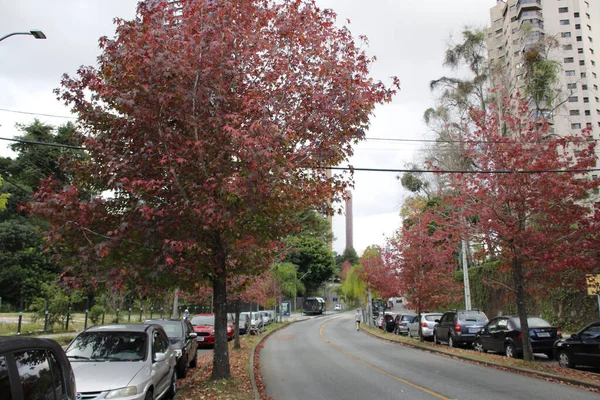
x: 349, y: 229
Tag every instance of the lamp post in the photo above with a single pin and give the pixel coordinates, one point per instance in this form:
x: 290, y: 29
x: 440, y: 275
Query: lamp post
x: 296, y: 287
x: 36, y: 33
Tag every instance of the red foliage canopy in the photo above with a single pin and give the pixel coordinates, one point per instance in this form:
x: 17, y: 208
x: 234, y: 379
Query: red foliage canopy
x: 379, y: 276
x: 210, y: 123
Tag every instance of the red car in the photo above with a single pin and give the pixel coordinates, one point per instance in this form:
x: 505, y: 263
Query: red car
x: 204, y: 326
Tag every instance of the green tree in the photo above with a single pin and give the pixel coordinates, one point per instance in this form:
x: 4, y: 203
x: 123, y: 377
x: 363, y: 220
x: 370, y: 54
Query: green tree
x: 288, y: 279
x: 349, y: 255
x: 313, y: 258
x: 353, y: 287
x: 58, y: 304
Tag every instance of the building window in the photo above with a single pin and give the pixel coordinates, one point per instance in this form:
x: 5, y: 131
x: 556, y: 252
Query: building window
x: 584, y: 87
x: 577, y: 26
x: 571, y: 86
x: 592, y: 51
x: 573, y: 99
x: 579, y: 38
x: 583, y: 74
x: 594, y: 75
x: 598, y: 112
x: 587, y: 15
x: 580, y: 50
x: 597, y: 100
x: 564, y: 22
x: 588, y: 112
x: 565, y: 34
x: 589, y: 27
x: 590, y: 39
x: 576, y: 125
x: 588, y: 125
x: 567, y: 47
x: 563, y: 10
x: 570, y: 72
x: 586, y: 99
x: 573, y: 112
x: 576, y: 15
x: 595, y: 87
x: 568, y: 60
x: 593, y: 62
x: 581, y: 62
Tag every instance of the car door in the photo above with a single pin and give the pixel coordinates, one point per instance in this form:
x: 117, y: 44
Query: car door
x: 442, y: 331
x: 192, y: 341
x: 485, y: 334
x: 160, y: 369
x: 588, y: 353
x: 498, y: 338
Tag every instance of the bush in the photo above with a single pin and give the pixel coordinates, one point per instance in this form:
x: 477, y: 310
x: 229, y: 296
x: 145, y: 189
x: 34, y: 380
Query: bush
x: 95, y: 314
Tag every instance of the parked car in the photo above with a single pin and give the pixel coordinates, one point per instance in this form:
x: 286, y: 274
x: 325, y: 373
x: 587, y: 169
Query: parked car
x: 389, y: 322
x: 379, y: 321
x: 32, y: 368
x: 337, y: 307
x: 204, y: 326
x: 183, y: 339
x: 582, y: 348
x: 135, y: 361
x: 401, y: 323
x: 459, y: 327
x: 504, y: 335
x: 426, y: 321
x: 244, y: 323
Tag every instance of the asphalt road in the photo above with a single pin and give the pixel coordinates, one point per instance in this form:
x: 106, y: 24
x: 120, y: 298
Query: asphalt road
x: 326, y: 358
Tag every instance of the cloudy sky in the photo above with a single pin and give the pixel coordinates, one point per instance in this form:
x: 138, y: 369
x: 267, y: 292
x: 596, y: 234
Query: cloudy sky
x: 408, y: 37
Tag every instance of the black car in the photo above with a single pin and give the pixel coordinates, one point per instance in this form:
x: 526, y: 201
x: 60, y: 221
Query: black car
x: 582, y: 348
x: 388, y: 323
x: 459, y: 327
x: 33, y: 368
x: 183, y: 339
x: 504, y: 335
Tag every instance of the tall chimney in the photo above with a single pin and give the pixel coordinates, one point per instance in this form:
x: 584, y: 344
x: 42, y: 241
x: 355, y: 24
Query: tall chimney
x: 349, y: 230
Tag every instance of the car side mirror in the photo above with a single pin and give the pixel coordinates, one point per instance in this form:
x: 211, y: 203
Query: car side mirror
x: 574, y: 336
x: 159, y: 357
x: 193, y: 335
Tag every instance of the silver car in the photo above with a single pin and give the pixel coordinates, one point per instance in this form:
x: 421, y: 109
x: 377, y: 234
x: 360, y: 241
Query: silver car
x: 131, y: 361
x: 427, y: 322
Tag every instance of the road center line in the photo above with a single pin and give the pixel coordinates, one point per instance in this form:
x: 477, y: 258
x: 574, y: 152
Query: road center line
x: 414, y: 385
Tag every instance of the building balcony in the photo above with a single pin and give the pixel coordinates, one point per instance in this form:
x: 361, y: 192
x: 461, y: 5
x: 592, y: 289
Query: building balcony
x: 527, y: 5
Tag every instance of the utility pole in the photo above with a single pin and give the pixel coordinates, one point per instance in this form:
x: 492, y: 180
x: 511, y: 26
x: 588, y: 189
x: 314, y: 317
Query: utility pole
x: 175, y: 304
x: 465, y: 266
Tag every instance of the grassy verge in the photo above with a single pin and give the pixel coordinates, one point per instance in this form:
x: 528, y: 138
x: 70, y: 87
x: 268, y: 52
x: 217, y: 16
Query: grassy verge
x: 199, y: 385
x: 500, y: 360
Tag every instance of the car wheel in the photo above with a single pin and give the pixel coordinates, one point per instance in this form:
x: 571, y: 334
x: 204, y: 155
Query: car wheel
x: 564, y: 359
x: 509, y: 350
x: 435, y: 339
x: 478, y: 346
x: 194, y: 362
x: 149, y: 395
x: 182, y: 368
x: 172, y: 388
x: 451, y: 341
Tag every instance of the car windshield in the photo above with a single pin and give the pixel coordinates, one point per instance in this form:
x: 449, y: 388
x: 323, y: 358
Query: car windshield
x: 533, y: 322
x: 407, y: 317
x: 173, y: 328
x: 472, y: 316
x: 204, y: 320
x: 108, y: 346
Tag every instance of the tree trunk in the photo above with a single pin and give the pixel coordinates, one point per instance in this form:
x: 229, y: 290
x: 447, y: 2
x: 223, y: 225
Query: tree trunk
x: 520, y: 297
x: 221, y: 352
x: 236, y: 327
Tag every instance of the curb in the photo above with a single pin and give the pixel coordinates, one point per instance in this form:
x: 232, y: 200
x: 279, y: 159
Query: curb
x: 536, y: 374
x: 252, y: 355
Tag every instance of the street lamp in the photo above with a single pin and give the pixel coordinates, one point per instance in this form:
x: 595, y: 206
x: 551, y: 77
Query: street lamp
x: 36, y: 33
x: 295, y: 287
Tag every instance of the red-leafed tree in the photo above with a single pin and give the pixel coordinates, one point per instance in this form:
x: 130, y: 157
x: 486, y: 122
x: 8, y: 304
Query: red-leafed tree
x: 379, y: 276
x: 210, y: 122
x: 424, y: 252
x: 528, y: 199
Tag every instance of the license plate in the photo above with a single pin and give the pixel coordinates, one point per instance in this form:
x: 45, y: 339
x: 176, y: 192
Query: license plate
x: 200, y: 339
x: 543, y: 334
x: 474, y: 330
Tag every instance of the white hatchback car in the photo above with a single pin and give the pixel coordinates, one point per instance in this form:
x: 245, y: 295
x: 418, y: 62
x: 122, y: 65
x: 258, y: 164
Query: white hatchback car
x: 338, y: 307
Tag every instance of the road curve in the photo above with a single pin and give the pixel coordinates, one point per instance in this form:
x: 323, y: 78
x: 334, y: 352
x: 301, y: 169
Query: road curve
x: 326, y: 358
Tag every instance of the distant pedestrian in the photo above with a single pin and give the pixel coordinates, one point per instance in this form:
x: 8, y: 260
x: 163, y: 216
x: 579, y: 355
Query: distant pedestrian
x: 358, y: 318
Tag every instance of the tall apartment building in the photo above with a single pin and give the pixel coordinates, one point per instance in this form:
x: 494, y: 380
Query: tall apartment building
x: 518, y: 24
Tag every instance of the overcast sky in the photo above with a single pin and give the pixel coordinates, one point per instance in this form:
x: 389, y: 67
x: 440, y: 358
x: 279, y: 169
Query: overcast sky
x: 408, y: 37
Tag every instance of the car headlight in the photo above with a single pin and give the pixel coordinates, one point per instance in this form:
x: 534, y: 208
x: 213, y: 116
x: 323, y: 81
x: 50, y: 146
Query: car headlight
x: 178, y: 353
x: 213, y: 331
x: 123, y: 392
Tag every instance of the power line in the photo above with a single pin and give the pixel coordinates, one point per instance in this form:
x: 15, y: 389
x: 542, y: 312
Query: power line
x: 33, y: 113
x: 42, y: 143
x: 449, y: 171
